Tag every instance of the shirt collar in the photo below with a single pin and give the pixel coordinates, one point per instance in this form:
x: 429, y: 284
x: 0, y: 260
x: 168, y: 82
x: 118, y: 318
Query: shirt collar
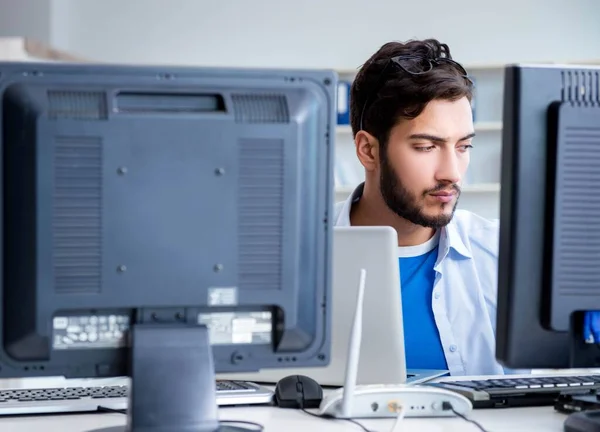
x: 343, y: 218
x: 450, y: 238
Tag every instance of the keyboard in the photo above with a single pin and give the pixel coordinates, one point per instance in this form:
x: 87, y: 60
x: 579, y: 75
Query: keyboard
x: 517, y: 391
x: 97, y: 398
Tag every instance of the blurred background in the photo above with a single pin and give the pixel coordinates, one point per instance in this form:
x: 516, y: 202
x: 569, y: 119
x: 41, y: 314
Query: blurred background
x: 338, y: 34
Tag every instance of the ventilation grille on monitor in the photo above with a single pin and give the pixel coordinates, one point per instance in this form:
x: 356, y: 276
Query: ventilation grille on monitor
x: 260, y: 109
x: 578, y: 242
x: 581, y: 86
x: 77, y: 105
x: 260, y: 213
x: 77, y: 214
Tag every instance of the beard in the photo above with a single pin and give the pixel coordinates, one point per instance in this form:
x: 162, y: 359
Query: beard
x: 407, y: 205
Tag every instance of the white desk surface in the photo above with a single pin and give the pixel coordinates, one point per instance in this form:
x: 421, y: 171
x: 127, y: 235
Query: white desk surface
x: 289, y: 420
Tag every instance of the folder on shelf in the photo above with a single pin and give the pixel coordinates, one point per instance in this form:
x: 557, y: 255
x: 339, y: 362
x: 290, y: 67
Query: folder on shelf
x: 343, y: 103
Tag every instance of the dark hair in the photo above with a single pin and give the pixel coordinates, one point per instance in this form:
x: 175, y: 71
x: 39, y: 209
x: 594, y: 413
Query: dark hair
x: 391, y: 93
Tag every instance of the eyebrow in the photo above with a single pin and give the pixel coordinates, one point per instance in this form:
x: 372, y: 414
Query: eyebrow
x: 438, y: 139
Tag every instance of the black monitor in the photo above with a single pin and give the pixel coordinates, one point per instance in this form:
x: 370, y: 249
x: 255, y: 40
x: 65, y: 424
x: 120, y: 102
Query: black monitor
x: 549, y: 252
x: 165, y: 224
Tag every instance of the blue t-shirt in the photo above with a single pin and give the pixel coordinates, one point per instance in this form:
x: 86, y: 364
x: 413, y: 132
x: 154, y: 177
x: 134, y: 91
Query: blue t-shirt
x: 421, y: 338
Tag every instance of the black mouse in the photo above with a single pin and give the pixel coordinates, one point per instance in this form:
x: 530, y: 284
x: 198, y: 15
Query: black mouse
x: 298, y: 391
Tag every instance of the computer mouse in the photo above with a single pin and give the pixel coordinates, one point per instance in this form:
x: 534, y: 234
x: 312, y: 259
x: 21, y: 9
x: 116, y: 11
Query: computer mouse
x: 298, y: 391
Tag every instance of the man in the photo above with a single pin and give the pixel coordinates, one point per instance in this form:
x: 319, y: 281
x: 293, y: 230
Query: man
x: 412, y: 122
x: 591, y: 327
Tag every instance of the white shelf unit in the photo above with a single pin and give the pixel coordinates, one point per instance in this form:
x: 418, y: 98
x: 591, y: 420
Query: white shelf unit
x: 481, y: 186
x: 485, y: 126
x: 29, y: 50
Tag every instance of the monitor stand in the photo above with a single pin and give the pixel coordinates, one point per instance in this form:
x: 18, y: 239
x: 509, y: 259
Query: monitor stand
x: 584, y: 421
x: 173, y: 387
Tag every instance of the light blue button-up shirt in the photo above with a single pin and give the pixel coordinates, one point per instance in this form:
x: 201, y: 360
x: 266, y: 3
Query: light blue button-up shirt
x: 464, y: 291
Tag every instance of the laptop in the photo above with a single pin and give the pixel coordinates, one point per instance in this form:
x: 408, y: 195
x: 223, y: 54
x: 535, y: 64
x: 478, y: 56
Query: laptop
x: 382, y: 357
x: 55, y: 395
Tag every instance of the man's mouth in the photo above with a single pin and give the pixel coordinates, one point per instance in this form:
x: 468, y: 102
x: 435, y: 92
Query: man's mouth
x: 444, y: 196
x: 444, y: 193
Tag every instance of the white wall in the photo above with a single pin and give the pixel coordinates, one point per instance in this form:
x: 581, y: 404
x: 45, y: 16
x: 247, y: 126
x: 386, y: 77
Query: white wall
x: 321, y: 33
x: 338, y: 34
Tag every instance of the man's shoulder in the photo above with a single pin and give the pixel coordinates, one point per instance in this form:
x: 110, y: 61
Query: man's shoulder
x: 337, y: 210
x: 477, y: 232
x: 465, y: 220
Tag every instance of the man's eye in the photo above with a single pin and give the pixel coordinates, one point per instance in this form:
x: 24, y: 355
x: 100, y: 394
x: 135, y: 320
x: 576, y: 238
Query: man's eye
x: 425, y: 149
x: 466, y: 147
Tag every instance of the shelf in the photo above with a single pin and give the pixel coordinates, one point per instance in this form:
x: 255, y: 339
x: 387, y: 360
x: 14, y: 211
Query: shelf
x: 484, y: 66
x: 481, y: 188
x: 474, y: 188
x: 343, y: 129
x: 487, y: 126
x: 24, y: 49
x: 467, y: 66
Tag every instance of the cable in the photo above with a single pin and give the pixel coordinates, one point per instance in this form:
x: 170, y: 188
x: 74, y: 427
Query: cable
x: 447, y: 406
x: 401, y: 411
x: 330, y: 417
x: 110, y: 410
x: 257, y: 426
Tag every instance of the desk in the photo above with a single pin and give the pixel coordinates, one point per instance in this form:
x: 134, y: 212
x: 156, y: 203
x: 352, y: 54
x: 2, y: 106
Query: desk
x: 288, y: 420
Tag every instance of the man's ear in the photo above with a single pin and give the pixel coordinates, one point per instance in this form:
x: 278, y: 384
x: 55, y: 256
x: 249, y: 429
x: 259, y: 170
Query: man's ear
x: 367, y: 150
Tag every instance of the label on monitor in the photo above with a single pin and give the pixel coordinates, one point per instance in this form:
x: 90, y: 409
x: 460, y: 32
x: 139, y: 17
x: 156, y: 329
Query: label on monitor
x: 227, y: 328
x: 89, y: 331
x: 222, y: 296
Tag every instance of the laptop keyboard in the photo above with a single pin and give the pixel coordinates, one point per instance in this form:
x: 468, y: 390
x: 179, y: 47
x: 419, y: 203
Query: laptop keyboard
x: 74, y: 393
x: 91, y: 398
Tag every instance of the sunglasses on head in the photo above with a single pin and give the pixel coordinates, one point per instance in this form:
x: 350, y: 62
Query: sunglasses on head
x: 414, y: 65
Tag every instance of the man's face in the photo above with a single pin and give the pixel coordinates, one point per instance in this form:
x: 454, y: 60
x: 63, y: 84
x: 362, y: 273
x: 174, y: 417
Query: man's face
x: 424, y: 163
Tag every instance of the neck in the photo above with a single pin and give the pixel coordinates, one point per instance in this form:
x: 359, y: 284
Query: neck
x: 371, y: 210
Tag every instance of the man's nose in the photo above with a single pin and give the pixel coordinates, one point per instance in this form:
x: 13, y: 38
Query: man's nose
x: 448, y: 169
